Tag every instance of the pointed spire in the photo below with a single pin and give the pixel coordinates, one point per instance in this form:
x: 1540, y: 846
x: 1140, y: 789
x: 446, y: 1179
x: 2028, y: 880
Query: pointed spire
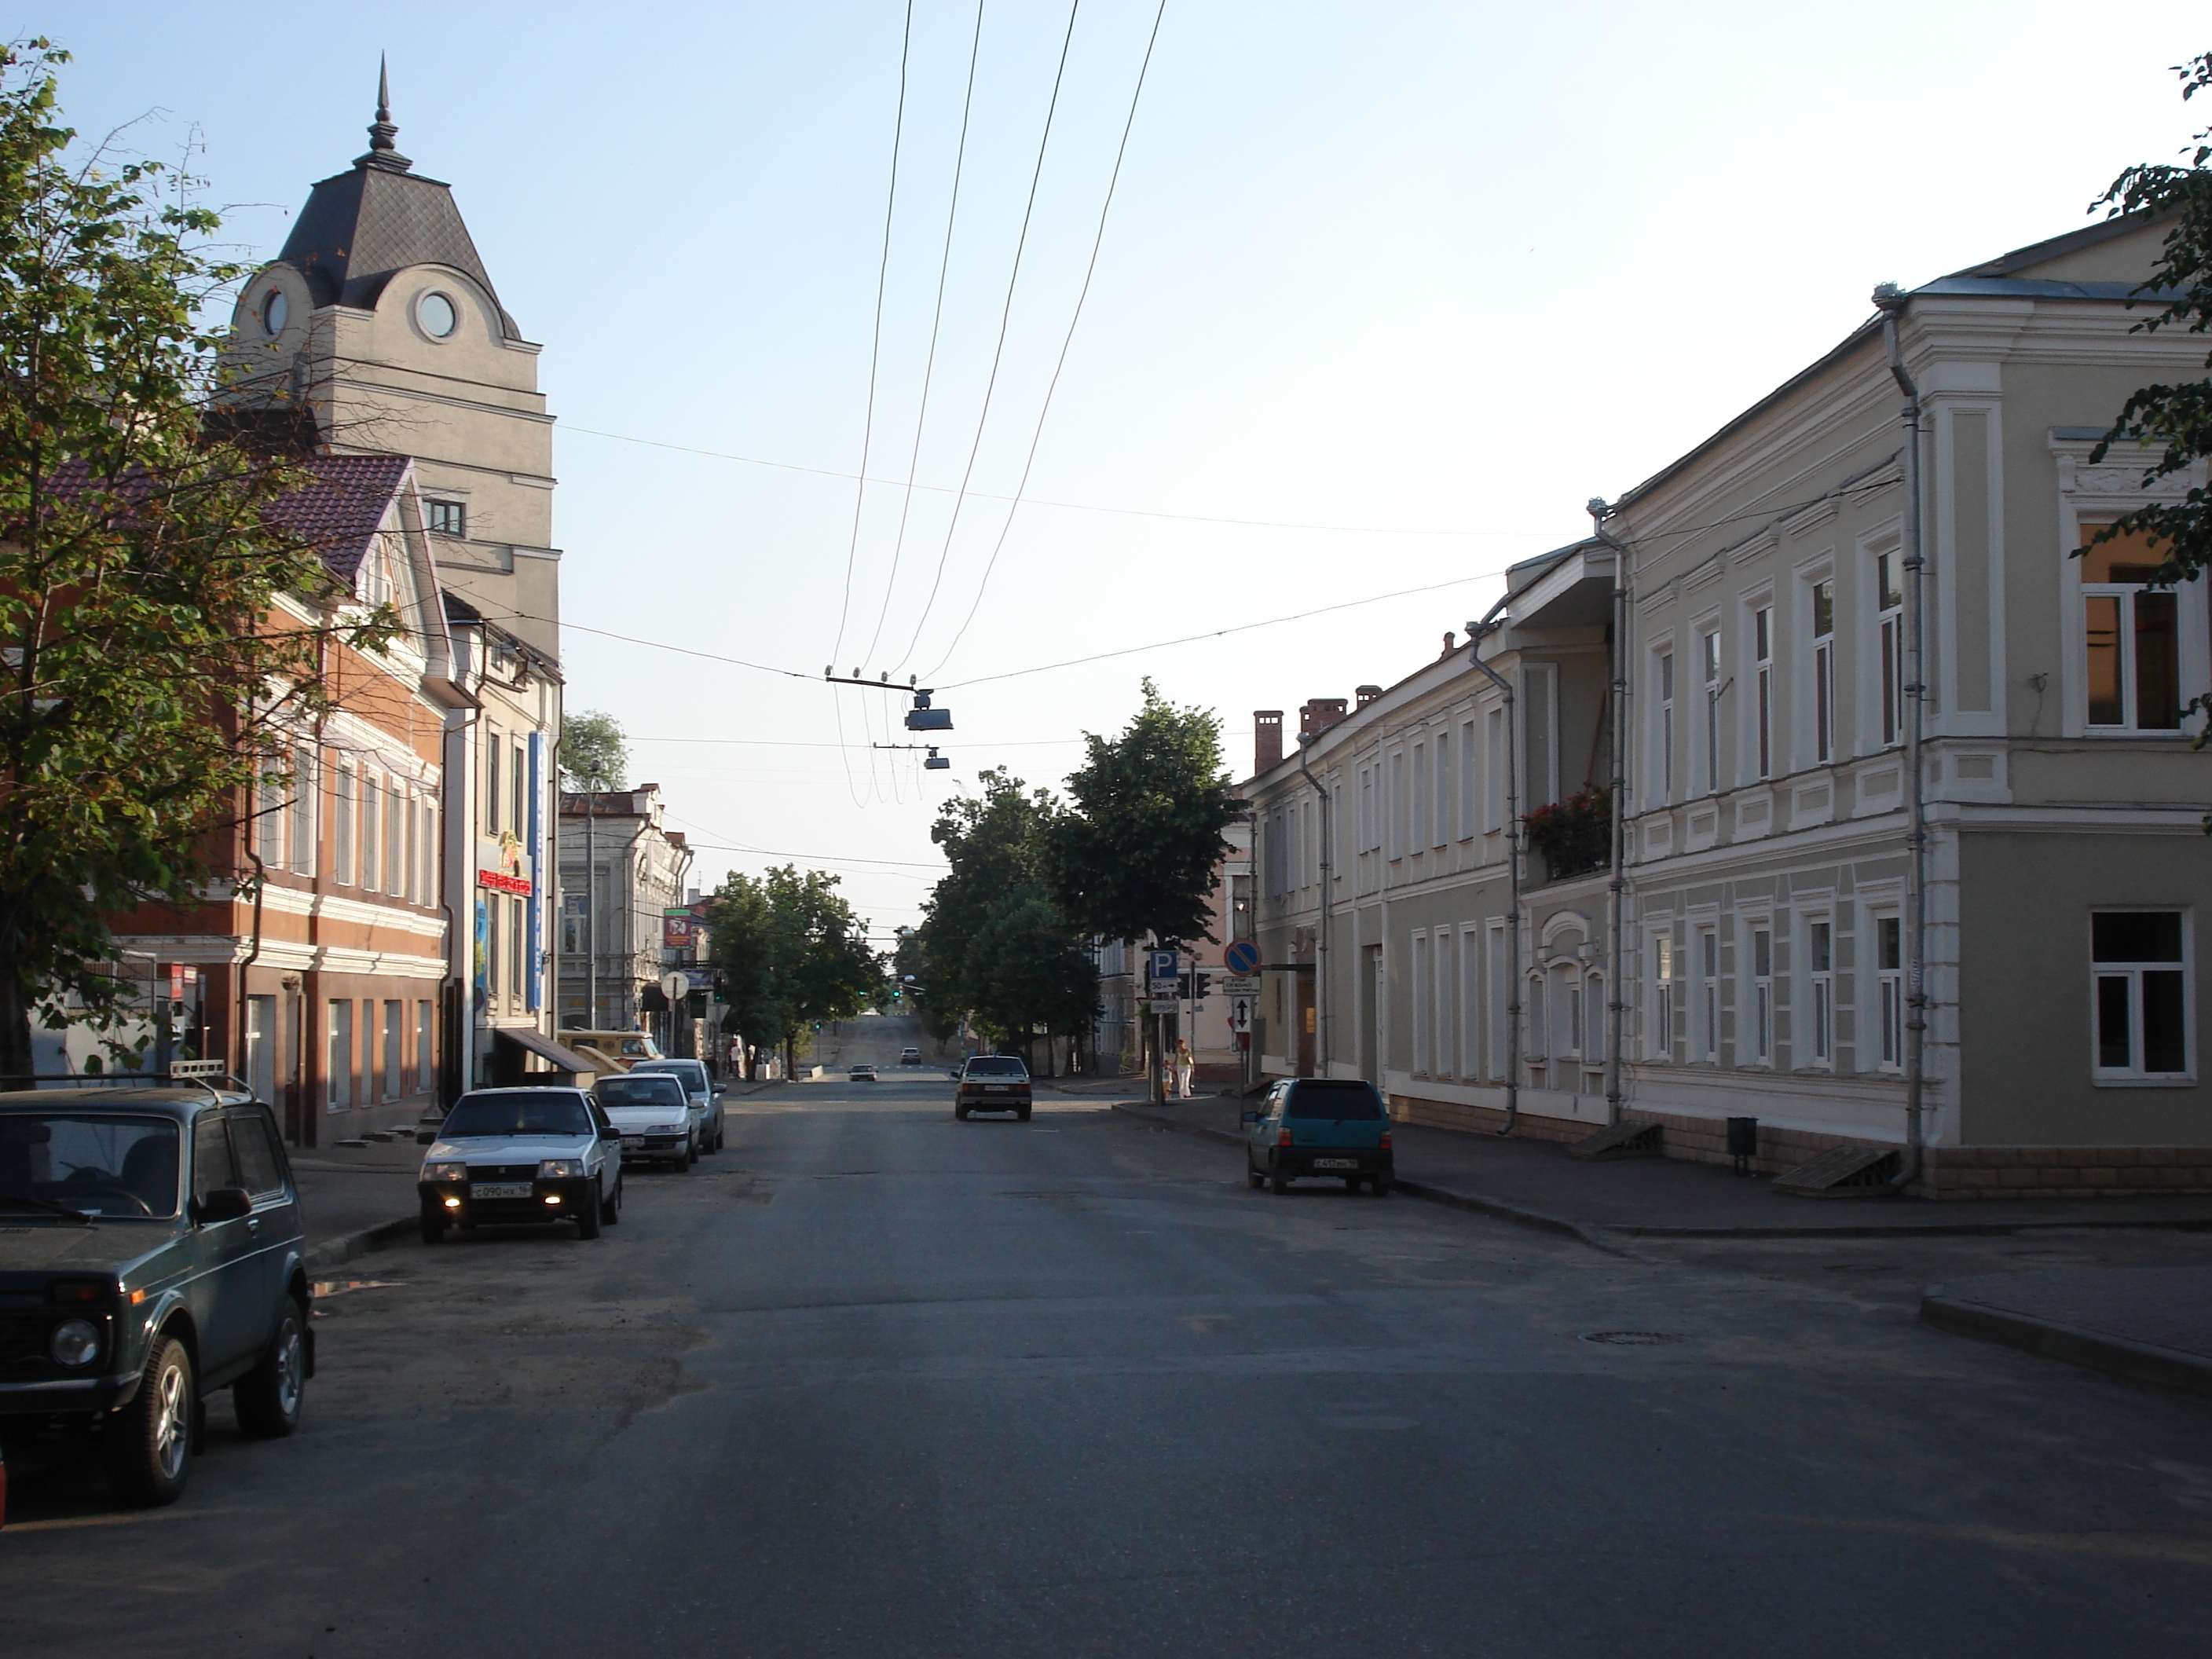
x: 382, y: 152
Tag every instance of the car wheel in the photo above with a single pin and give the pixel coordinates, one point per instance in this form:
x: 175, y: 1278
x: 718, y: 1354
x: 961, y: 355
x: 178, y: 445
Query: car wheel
x: 1381, y: 1185
x: 1253, y: 1178
x: 150, y: 1440
x: 610, y: 1211
x: 588, y: 1219
x: 433, y: 1225
x: 1023, y: 1115
x: 721, y: 1133
x: 690, y: 1156
x: 960, y: 1112
x: 1278, y: 1182
x: 268, y: 1398
x: 1351, y: 1182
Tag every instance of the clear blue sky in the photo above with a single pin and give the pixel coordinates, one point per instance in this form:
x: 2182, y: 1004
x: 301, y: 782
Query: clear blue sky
x: 1400, y: 269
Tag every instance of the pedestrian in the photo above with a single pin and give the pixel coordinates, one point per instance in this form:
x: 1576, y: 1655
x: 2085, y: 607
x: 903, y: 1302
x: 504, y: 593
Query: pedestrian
x: 1183, y: 1068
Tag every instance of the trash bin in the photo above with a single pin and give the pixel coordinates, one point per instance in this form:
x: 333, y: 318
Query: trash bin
x: 1743, y: 1142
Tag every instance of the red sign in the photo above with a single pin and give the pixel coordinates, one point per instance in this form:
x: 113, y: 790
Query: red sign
x: 499, y: 881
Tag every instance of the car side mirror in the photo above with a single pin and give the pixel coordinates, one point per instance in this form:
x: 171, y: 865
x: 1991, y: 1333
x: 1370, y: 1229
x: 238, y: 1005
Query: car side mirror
x: 611, y: 1133
x: 223, y: 1204
x: 425, y: 1136
x: 1250, y: 1117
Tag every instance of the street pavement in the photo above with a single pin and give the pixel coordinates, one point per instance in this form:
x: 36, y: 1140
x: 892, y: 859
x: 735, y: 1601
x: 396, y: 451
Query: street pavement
x: 875, y: 1382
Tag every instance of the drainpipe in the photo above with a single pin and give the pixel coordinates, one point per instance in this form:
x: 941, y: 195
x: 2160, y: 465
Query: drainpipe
x: 1478, y: 632
x: 1616, y: 981
x: 1892, y: 301
x: 1321, y: 943
x: 260, y: 881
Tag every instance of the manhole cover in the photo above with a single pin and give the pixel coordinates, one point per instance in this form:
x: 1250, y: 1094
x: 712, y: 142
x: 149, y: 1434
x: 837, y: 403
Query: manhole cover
x: 1631, y: 1338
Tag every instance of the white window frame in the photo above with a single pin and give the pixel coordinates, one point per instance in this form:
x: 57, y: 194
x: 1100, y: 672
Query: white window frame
x: 2190, y: 653
x: 1709, y: 678
x: 1659, y: 951
x: 299, y: 853
x: 2132, y: 973
x: 1440, y: 829
x: 1758, y: 632
x: 1422, y: 1015
x: 1494, y: 755
x: 1760, y: 1002
x: 343, y: 834
x: 1820, y: 976
x: 1889, y: 1011
x: 1823, y: 657
x: 1891, y: 714
x: 1470, y: 781
x: 1662, y: 758
x: 1705, y: 941
x: 1470, y: 1002
x: 1498, y: 1004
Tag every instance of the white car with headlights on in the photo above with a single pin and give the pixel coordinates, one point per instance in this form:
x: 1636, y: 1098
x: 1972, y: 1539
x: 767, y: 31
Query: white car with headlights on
x: 657, y: 1120
x: 520, y: 1155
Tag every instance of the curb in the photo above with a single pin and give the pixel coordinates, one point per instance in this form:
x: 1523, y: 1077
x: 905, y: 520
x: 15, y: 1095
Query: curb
x: 332, y: 1252
x: 1535, y: 1220
x: 2138, y: 1361
x: 1914, y: 1229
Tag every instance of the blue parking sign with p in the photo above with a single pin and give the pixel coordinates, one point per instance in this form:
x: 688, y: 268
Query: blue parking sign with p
x: 1165, y: 965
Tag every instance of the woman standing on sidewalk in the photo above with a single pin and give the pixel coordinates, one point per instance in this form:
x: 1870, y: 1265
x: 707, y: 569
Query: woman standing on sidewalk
x: 1184, y: 1067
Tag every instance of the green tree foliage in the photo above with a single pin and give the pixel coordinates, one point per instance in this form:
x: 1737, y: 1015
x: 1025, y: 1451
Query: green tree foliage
x: 792, y: 952
x: 2177, y: 419
x: 594, y: 753
x: 1138, y: 853
x: 144, y: 687
x: 993, y: 945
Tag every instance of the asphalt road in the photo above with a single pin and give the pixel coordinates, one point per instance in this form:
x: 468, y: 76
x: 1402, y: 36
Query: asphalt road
x: 876, y: 1382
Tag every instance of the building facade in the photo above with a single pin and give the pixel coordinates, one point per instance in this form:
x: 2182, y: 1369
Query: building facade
x: 1771, y: 628
x: 622, y: 875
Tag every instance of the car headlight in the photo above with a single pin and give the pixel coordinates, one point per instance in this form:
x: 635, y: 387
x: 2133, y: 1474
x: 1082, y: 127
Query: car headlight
x: 548, y: 1169
x: 76, y: 1342
x: 444, y: 1172
x: 674, y: 1128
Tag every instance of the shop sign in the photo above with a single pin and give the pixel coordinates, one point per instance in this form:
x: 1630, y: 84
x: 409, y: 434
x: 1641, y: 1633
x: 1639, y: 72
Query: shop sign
x: 500, y: 882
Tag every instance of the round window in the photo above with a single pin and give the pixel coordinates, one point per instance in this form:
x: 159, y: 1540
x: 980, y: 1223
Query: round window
x: 436, y: 314
x: 273, y: 313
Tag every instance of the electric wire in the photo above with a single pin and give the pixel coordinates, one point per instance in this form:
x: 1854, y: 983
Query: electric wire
x: 876, y: 347
x: 1044, y: 410
x: 998, y: 354
x: 935, y: 321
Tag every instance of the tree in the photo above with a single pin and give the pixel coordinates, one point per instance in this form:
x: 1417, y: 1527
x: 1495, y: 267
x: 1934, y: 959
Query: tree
x: 594, y: 751
x: 1028, y: 968
x: 793, y: 953
x: 145, y: 688
x: 1138, y: 853
x: 2178, y: 419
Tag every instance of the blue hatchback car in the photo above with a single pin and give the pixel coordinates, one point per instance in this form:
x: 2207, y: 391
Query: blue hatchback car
x: 1314, y: 1125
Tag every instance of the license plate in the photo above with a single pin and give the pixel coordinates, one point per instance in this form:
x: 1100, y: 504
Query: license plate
x: 1336, y: 1163
x: 499, y: 1190
x: 998, y: 1088
x: 631, y: 1143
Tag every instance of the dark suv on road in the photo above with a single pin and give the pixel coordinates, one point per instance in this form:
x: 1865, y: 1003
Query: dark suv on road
x: 149, y: 1253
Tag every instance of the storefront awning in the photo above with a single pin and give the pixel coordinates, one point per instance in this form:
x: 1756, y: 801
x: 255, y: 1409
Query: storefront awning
x: 565, y: 1059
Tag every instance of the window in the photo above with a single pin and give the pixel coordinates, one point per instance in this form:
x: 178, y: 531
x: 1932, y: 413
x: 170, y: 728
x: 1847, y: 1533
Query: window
x: 518, y: 939
x: 1889, y: 628
x: 1709, y: 652
x: 1762, y: 670
x: 1709, y: 993
x: 1395, y: 806
x: 1368, y: 840
x: 1659, y: 1041
x: 426, y: 1058
x: 1665, y: 675
x: 492, y: 908
x: 1501, y: 991
x: 1417, y: 839
x: 446, y: 518
x: 1494, y: 763
x: 1442, y: 832
x: 1824, y: 672
x: 519, y: 775
x: 1889, y: 989
x: 302, y: 855
x: 2142, y: 989
x: 1820, y: 975
x: 414, y: 854
x: 341, y: 832
x: 1441, y: 1057
x: 372, y: 820
x: 492, y: 747
x: 395, y: 838
x: 394, y: 1038
x: 1470, y: 1006
x: 269, y: 819
x: 1469, y: 779
x: 338, y: 1072
x: 1762, y: 994
x: 572, y: 924
x: 2132, y: 637
x: 1420, y: 966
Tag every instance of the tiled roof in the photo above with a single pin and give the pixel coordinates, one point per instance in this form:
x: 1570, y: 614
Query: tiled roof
x: 339, y: 514
x: 362, y: 226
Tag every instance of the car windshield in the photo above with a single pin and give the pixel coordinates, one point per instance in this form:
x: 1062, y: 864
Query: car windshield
x: 517, y: 1114
x: 692, y: 1073
x: 1338, y: 1102
x: 636, y: 1091
x: 100, y: 1165
x: 996, y: 1065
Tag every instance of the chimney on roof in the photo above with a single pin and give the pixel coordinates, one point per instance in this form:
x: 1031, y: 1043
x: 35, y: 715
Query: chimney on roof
x: 1367, y: 694
x: 1451, y: 643
x: 1267, y: 739
x: 1317, y: 716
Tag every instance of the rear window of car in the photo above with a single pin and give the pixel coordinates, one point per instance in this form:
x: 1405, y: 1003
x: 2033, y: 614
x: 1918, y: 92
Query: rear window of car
x: 1338, y: 1102
x: 692, y: 1072
x: 996, y: 1065
x: 495, y: 1112
x: 636, y: 1091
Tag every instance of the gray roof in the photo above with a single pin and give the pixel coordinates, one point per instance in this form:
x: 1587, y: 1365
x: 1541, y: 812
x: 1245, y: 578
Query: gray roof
x: 377, y: 218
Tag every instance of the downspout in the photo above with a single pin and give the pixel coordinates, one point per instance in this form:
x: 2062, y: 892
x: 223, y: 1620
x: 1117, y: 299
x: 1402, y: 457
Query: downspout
x: 1616, y: 982
x: 1892, y: 301
x: 1321, y: 944
x: 1478, y: 632
x: 260, y: 881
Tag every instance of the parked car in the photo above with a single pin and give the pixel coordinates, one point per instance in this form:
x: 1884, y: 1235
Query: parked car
x: 657, y: 1121
x: 706, y: 1095
x: 909, y: 1056
x: 150, y: 1255
x: 610, y: 1052
x: 517, y: 1155
x: 864, y: 1074
x: 992, y: 1083
x: 1317, y: 1125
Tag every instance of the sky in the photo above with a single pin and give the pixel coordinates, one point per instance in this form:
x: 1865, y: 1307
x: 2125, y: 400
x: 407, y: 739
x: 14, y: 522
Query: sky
x: 1383, y: 295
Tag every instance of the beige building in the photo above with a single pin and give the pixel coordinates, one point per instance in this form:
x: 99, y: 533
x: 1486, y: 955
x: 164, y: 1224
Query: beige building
x: 1754, y: 623
x: 621, y: 873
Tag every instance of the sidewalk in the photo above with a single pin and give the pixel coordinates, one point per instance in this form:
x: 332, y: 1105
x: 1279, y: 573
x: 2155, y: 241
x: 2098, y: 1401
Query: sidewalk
x: 1534, y: 1183
x: 2153, y: 1324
